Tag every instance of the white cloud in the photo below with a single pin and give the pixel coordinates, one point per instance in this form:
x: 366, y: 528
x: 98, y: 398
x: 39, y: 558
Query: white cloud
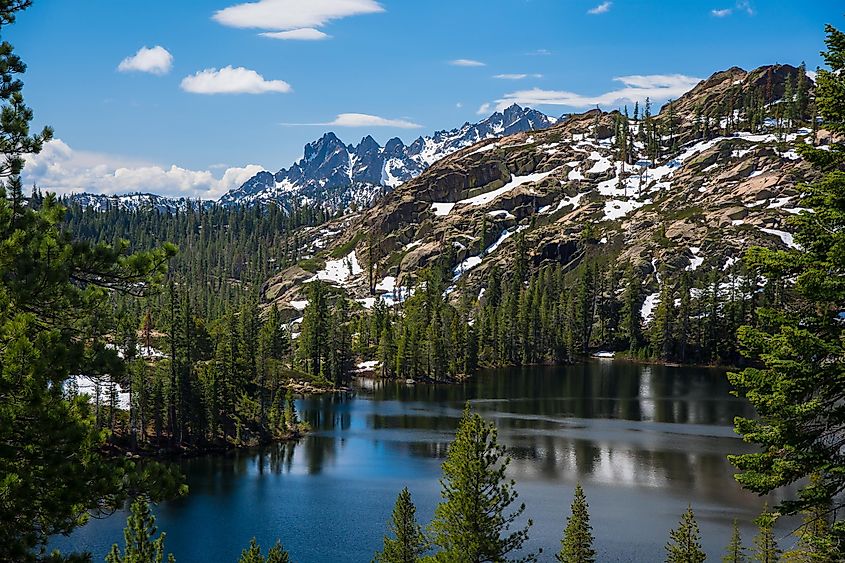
x: 459, y: 105
x: 484, y: 109
x: 302, y: 34
x: 362, y: 120
x: 635, y: 88
x: 366, y: 120
x: 741, y: 6
x: 156, y: 60
x: 540, y: 52
x: 293, y: 16
x: 466, y: 62
x: 602, y: 8
x: 229, y: 80
x: 59, y: 168
x: 516, y: 76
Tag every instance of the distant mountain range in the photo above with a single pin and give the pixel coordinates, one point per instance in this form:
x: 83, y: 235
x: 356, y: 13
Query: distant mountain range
x: 334, y: 174
x: 135, y: 202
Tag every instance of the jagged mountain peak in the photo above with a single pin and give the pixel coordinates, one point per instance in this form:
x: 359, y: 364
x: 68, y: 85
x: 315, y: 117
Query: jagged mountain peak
x: 328, y: 142
x: 334, y: 174
x: 393, y: 147
x: 367, y: 144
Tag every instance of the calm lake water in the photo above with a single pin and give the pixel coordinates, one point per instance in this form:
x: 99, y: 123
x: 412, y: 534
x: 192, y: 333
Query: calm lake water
x: 644, y: 441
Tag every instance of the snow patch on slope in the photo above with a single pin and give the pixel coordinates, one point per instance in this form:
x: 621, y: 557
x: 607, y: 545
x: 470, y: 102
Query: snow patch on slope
x: 338, y: 271
x: 515, y: 182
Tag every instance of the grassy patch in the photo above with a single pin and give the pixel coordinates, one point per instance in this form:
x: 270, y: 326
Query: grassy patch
x: 689, y: 213
x: 660, y: 237
x: 312, y: 265
x: 346, y: 248
x: 394, y: 259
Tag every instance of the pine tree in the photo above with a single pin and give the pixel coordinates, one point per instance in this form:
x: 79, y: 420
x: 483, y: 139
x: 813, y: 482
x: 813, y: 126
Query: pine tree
x: 816, y: 543
x: 55, y: 295
x: 472, y: 523
x: 672, y: 126
x: 436, y: 349
x: 797, y: 390
x: 291, y: 418
x: 685, y: 542
x: 681, y: 333
x: 766, y: 548
x: 315, y: 324
x: 789, y: 99
x: 251, y: 554
x: 275, y: 554
x: 735, y: 552
x: 408, y: 542
x: 802, y: 96
x: 660, y: 333
x: 577, y: 542
x: 470, y: 366
x: 140, y: 547
x: 631, y: 308
x: 387, y: 351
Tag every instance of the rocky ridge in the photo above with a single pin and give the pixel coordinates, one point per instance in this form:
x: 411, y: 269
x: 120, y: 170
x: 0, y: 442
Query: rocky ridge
x: 701, y: 206
x: 337, y: 175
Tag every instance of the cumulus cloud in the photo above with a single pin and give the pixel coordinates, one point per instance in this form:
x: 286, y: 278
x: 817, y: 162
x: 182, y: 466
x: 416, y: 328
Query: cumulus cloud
x: 466, y: 62
x: 155, y: 60
x: 602, y: 8
x: 303, y: 34
x: 232, y: 80
x: 61, y: 169
x: 634, y: 88
x: 722, y: 12
x: 293, y: 19
x: 484, y: 109
x: 516, y: 76
x: 363, y: 120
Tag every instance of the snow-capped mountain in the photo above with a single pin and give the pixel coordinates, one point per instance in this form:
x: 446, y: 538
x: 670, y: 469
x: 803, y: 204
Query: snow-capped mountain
x: 133, y: 202
x: 336, y: 175
x: 718, y: 189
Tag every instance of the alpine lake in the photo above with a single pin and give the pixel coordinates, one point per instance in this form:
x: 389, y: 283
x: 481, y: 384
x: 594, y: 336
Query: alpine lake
x: 643, y: 440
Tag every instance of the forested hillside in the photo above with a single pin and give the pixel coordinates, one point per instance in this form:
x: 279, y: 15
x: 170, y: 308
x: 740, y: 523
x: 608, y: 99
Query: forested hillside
x: 620, y: 232
x: 225, y: 253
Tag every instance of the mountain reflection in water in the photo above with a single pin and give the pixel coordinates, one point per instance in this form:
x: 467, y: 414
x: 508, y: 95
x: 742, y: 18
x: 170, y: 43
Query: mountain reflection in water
x: 643, y: 441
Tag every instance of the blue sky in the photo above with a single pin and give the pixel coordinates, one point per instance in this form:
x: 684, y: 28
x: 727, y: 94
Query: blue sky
x: 169, y: 121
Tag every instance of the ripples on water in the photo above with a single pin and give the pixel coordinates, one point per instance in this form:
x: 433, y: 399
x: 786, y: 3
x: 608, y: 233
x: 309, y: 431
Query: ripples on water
x: 643, y: 440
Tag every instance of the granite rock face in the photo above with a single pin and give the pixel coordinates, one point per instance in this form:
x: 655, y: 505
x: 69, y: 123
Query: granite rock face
x: 706, y: 200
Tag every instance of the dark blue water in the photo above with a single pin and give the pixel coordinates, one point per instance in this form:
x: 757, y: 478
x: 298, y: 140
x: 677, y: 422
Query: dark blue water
x: 644, y: 441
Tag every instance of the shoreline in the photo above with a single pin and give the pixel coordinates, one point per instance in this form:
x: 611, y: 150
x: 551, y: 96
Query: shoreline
x: 371, y: 373
x: 188, y: 452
